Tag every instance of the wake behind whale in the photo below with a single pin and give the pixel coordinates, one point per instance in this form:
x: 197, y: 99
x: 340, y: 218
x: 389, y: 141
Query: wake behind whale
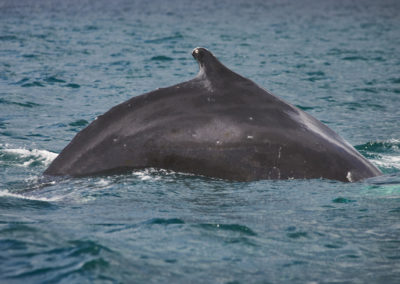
x: 218, y: 124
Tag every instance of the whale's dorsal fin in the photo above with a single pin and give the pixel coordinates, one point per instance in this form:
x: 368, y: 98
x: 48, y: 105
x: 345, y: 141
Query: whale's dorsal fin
x: 209, y: 65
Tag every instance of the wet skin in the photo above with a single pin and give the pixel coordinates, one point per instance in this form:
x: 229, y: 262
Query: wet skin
x: 218, y: 124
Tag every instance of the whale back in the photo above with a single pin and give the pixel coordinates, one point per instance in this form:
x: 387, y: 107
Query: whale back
x: 218, y: 124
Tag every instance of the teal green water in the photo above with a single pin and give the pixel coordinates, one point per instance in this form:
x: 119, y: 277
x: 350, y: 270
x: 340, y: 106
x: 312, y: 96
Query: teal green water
x: 62, y: 63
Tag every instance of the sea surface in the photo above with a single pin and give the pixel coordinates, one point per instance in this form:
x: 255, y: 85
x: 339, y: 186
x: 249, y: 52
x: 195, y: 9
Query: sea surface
x: 63, y: 63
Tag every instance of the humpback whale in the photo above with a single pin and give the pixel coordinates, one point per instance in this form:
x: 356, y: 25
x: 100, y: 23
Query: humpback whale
x: 218, y: 124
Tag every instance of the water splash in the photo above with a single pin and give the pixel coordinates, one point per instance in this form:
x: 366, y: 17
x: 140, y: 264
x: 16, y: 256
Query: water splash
x: 26, y: 157
x: 384, y: 154
x: 6, y: 193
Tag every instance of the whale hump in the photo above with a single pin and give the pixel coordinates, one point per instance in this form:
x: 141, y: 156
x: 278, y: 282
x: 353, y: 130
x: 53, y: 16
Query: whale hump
x: 218, y: 124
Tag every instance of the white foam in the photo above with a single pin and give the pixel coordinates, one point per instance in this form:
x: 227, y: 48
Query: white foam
x: 145, y: 175
x: 391, y: 160
x: 387, y: 161
x: 394, y: 141
x: 6, y: 193
x: 103, y: 182
x: 44, y: 156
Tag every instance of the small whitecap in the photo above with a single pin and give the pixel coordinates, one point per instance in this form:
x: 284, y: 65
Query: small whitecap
x: 103, y: 182
x: 6, y: 193
x: 387, y: 161
x: 27, y: 163
x: 145, y: 175
x: 250, y: 137
x: 46, y: 157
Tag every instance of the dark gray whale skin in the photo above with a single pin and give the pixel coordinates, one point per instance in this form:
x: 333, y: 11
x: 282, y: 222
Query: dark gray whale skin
x: 218, y: 124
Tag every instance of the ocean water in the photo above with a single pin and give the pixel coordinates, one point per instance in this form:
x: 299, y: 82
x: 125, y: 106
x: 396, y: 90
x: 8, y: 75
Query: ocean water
x: 62, y: 63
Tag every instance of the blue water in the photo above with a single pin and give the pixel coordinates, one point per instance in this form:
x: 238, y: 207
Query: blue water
x: 62, y: 63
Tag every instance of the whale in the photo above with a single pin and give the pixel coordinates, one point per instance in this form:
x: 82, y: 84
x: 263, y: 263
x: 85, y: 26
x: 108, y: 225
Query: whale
x: 218, y: 124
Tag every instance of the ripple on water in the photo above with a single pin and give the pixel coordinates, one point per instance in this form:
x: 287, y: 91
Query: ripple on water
x: 120, y: 63
x: 294, y: 234
x: 73, y: 85
x: 371, y: 90
x: 162, y: 221
x: 22, y: 104
x: 54, y: 79
x: 172, y: 39
x: 297, y: 235
x: 343, y: 200
x: 8, y: 38
x: 66, y: 261
x: 10, y: 200
x: 354, y: 58
x: 305, y: 108
x: 161, y: 58
x: 79, y: 122
x: 394, y: 80
x: 32, y: 84
x: 237, y: 228
x: 30, y: 55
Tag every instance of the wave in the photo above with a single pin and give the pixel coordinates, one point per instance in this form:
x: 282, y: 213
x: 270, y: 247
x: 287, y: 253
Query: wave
x: 155, y: 174
x: 392, y: 145
x: 384, y: 154
x: 6, y: 193
x: 388, y: 163
x: 149, y: 174
x: 27, y: 104
x: 173, y: 38
x: 161, y: 58
x: 26, y: 157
